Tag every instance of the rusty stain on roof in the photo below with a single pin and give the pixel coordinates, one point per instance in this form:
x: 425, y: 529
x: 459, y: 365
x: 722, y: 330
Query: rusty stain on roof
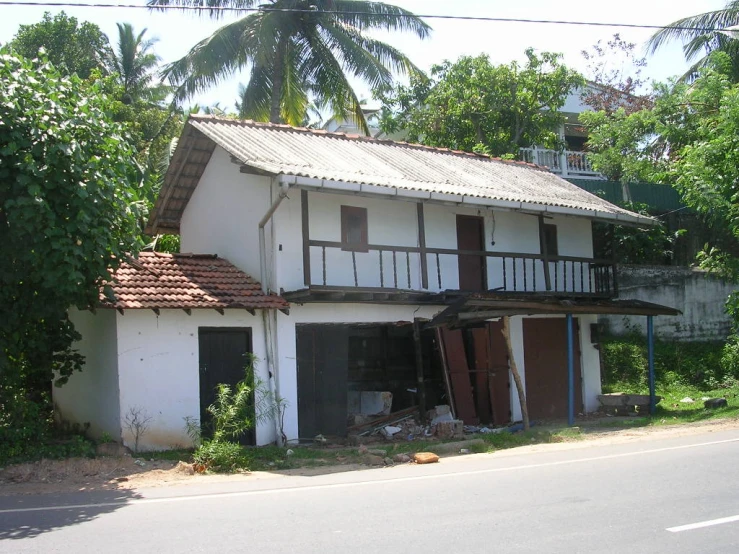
x: 156, y: 280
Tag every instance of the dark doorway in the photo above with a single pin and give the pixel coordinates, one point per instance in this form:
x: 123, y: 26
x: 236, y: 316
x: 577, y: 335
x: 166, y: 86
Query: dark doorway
x: 222, y: 360
x: 471, y: 236
x: 545, y: 357
x: 323, y: 358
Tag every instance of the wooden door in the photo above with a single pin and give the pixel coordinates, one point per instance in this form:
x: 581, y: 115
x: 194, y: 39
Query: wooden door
x: 500, y: 376
x: 470, y: 236
x: 222, y: 360
x: 545, y: 357
x: 323, y: 366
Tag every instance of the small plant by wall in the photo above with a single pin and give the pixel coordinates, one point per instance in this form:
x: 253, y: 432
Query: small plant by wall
x: 236, y: 411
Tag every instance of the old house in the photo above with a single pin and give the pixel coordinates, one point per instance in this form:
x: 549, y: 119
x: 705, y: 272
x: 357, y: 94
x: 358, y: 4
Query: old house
x: 397, y: 261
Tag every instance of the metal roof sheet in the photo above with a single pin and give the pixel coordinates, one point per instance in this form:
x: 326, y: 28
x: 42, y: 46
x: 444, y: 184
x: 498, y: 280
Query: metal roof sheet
x: 340, y: 159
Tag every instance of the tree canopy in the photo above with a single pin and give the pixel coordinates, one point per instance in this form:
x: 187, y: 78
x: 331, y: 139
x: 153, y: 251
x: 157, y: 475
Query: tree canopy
x: 71, y: 46
x: 297, y: 50
x: 473, y: 105
x: 68, y: 212
x: 688, y: 139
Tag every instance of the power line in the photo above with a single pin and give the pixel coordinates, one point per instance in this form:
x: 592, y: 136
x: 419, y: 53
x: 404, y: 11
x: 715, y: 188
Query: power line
x: 358, y: 13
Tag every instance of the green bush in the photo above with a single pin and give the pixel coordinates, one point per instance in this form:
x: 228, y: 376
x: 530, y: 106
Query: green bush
x: 221, y: 455
x: 703, y: 365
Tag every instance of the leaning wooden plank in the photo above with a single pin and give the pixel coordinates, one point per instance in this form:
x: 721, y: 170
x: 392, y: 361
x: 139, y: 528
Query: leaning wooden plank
x: 506, y: 330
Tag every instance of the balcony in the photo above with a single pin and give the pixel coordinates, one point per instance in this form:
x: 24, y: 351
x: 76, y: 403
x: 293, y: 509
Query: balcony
x: 415, y: 273
x: 567, y: 163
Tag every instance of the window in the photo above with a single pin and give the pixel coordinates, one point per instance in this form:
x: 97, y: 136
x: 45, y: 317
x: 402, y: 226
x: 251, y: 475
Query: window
x: 354, y: 228
x: 550, y: 238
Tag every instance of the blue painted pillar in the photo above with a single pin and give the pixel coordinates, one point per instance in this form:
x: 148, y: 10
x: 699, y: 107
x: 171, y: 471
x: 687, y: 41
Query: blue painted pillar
x: 570, y: 373
x: 650, y: 356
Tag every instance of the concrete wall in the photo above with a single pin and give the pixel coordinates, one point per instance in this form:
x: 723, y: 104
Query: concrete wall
x: 159, y: 370
x: 91, y: 396
x: 697, y: 294
x: 394, y: 222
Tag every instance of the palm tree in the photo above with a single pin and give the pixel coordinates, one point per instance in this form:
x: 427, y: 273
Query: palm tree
x: 702, y: 34
x: 297, y: 50
x: 135, y: 64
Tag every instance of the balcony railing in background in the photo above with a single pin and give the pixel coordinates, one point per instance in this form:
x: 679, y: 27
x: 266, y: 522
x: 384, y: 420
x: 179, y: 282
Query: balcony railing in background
x: 436, y: 269
x: 565, y: 162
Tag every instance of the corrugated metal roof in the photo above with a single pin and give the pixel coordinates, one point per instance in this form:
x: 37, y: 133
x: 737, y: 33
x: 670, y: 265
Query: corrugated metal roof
x: 339, y: 158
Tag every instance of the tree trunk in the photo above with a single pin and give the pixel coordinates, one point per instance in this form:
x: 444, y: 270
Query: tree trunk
x: 514, y: 370
x: 278, y: 78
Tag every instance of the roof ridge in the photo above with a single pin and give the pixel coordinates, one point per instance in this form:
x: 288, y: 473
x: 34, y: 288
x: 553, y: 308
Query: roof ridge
x: 362, y: 138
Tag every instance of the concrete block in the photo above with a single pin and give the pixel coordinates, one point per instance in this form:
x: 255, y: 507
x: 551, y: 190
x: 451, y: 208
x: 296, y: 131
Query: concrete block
x: 449, y: 429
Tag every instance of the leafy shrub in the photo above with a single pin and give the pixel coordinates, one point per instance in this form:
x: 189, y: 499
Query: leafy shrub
x: 697, y: 364
x: 221, y: 455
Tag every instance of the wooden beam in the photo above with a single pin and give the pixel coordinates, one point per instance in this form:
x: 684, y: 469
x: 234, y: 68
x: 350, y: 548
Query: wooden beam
x: 306, y: 236
x: 420, y: 382
x: 506, y: 330
x: 422, y: 245
x: 220, y: 311
x: 252, y: 311
x: 188, y: 311
x: 544, y: 253
x: 173, y: 183
x: 156, y: 311
x: 120, y: 310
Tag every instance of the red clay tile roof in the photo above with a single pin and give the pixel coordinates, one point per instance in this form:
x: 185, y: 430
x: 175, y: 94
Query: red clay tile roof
x: 185, y: 281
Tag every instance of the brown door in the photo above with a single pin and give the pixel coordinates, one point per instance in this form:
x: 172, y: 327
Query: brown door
x: 545, y: 357
x: 500, y: 382
x: 470, y: 236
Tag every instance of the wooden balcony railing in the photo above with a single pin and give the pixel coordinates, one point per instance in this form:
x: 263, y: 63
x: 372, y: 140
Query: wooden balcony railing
x: 436, y: 269
x: 565, y: 162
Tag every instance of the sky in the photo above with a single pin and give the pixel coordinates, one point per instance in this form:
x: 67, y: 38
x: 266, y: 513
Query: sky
x: 502, y: 41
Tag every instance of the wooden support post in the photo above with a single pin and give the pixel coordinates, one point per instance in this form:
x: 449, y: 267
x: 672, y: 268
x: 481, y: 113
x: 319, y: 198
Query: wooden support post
x: 422, y: 246
x: 570, y: 372
x: 420, y: 384
x: 306, y: 237
x: 506, y: 330
x: 544, y: 253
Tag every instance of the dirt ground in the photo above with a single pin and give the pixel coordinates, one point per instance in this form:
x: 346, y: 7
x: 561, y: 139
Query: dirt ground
x: 127, y: 473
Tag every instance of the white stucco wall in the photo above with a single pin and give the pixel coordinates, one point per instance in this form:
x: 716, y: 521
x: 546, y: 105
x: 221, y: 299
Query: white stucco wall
x: 91, y: 396
x: 159, y: 369
x: 394, y: 222
x: 223, y: 214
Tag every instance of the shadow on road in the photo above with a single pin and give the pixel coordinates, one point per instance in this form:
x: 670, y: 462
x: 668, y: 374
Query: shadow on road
x: 24, y: 517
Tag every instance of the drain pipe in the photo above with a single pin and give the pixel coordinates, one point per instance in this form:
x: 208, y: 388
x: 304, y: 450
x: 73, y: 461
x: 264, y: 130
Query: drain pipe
x: 266, y: 323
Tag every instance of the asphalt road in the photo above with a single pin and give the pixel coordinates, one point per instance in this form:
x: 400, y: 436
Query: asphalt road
x: 669, y: 495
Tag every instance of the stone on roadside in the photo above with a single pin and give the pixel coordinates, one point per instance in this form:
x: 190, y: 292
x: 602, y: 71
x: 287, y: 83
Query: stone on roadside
x: 425, y: 458
x: 713, y: 403
x: 388, y: 461
x: 377, y: 452
x: 401, y: 458
x: 372, y: 460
